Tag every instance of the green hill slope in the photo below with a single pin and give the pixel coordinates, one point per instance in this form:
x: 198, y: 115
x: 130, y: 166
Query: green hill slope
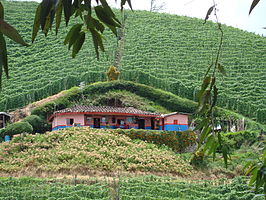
x: 131, y: 94
x: 46, y: 67
x: 162, y: 50
x: 84, y: 149
x: 179, y: 50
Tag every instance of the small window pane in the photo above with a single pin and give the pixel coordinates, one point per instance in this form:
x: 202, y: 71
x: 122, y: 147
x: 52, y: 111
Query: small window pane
x: 113, y: 120
x: 70, y: 121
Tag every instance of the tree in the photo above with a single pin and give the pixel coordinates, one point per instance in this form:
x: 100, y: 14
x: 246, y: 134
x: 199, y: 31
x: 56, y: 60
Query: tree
x: 211, y: 140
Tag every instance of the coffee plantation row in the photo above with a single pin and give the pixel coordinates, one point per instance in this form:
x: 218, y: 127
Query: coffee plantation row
x: 173, y: 57
x: 141, y: 188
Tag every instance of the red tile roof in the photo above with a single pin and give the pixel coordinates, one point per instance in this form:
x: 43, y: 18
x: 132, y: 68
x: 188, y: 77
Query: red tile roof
x: 105, y: 109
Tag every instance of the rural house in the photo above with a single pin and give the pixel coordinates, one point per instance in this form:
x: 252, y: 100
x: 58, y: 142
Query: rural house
x: 117, y: 117
x: 4, y: 119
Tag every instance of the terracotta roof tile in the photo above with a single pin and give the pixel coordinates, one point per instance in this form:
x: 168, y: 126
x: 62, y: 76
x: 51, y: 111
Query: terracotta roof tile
x: 106, y: 109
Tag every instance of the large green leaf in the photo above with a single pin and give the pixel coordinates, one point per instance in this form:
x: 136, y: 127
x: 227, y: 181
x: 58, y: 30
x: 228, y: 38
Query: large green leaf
x: 94, y: 23
x: 123, y: 2
x: 11, y: 32
x: 205, y: 132
x: 87, y: 4
x: 109, y: 11
x: 106, y: 18
x: 74, y: 31
x: 58, y: 15
x: 1, y: 11
x: 97, y: 41
x: 253, y: 5
x: 47, y: 10
x: 36, y: 24
x: 47, y: 24
x: 67, y: 4
x: 3, y: 58
x: 209, y: 12
x: 78, y: 44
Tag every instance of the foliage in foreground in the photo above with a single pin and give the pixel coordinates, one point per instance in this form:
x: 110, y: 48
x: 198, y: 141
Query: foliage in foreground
x: 17, y: 128
x: 141, y: 188
x: 83, y: 149
x: 177, y: 141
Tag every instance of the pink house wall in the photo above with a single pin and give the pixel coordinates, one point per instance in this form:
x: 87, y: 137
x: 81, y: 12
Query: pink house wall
x: 181, y: 119
x: 61, y: 119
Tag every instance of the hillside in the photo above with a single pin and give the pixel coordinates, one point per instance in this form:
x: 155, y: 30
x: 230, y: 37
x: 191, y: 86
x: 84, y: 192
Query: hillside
x: 82, y: 150
x: 130, y: 94
x: 172, y: 57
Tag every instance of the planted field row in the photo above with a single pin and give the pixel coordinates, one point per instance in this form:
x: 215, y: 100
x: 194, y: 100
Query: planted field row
x: 30, y: 189
x: 47, y: 61
x: 180, y: 49
x: 177, y: 87
x: 148, y: 188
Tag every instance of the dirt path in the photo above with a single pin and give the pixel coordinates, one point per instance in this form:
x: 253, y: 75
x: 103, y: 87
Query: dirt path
x: 206, y: 174
x: 20, y: 113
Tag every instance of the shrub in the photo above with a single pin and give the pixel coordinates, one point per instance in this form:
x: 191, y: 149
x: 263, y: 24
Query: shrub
x: 47, y: 109
x: 177, y: 141
x: 17, y: 128
x: 238, y: 138
x: 38, y: 124
x: 2, y: 134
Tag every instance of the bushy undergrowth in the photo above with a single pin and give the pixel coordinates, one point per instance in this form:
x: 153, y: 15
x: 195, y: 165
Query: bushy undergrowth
x: 177, y: 141
x: 81, y: 149
x: 38, y: 124
x: 17, y: 128
x: 122, y: 98
x: 236, y: 139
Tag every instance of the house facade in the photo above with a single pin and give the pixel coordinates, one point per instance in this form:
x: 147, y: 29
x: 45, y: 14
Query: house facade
x: 117, y: 117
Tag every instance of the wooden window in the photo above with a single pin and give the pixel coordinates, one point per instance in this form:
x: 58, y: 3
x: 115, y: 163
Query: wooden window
x: 175, y: 121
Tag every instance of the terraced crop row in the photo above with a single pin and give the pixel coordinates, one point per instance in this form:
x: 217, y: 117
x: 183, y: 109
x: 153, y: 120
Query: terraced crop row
x: 30, y: 189
x: 179, y: 49
x: 153, y: 188
x: 161, y: 50
x: 46, y: 67
x: 143, y: 188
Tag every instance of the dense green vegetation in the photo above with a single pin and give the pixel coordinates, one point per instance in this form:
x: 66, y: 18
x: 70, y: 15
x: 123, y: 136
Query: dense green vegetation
x: 140, y: 188
x: 46, y: 67
x: 173, y: 57
x: 37, y: 189
x: 83, y: 149
x: 159, y: 188
x: 119, y: 93
x: 178, y: 50
x: 127, y: 93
